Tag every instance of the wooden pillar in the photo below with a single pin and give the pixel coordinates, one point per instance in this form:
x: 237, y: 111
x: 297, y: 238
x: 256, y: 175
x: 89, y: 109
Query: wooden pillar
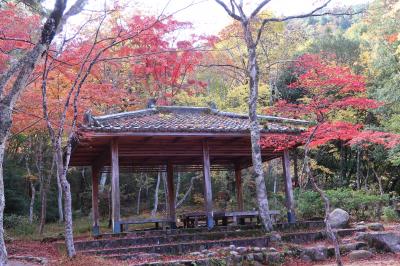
x: 239, y: 186
x: 95, y: 200
x: 207, y: 185
x: 171, y: 193
x: 115, y: 194
x: 288, y: 187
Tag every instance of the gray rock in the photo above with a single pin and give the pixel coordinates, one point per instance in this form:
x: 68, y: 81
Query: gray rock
x: 272, y: 249
x: 385, y: 241
x: 359, y: 236
x: 305, y: 257
x: 361, y: 227
x: 315, y: 253
x: 339, y: 218
x: 237, y: 258
x: 232, y: 247
x: 275, y: 237
x: 241, y: 250
x: 259, y: 257
x: 345, y: 248
x: 211, y: 254
x: 257, y: 249
x: 360, y: 254
x: 273, y: 257
x: 376, y: 227
x: 250, y: 257
x: 234, y: 253
x: 195, y: 253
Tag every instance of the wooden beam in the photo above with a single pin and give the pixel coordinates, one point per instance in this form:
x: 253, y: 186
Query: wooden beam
x: 171, y: 193
x: 95, y: 200
x: 207, y: 185
x: 115, y: 193
x: 176, y: 139
x: 288, y: 187
x: 147, y: 139
x: 239, y: 186
x: 101, y: 160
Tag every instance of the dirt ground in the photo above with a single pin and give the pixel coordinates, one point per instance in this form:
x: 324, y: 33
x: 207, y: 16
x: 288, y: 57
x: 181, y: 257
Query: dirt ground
x: 386, y: 259
x: 48, y: 251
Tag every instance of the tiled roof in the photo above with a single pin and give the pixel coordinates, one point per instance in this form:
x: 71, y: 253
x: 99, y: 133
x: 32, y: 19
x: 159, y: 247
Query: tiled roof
x: 185, y: 119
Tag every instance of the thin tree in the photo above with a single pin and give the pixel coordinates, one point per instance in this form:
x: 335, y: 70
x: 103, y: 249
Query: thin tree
x: 252, y: 24
x: 307, y: 170
x: 16, y: 77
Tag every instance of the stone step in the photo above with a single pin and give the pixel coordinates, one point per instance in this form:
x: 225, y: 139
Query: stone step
x: 304, y: 237
x: 163, y: 239
x: 304, y: 225
x: 187, y: 234
x: 182, y: 247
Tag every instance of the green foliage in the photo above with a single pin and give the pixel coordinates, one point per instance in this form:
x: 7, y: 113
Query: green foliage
x: 359, y: 203
x: 390, y: 214
x: 309, y: 204
x: 16, y: 192
x: 18, y: 225
x: 346, y: 51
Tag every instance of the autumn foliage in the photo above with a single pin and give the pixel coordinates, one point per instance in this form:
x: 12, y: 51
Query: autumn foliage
x: 334, y: 100
x: 139, y: 58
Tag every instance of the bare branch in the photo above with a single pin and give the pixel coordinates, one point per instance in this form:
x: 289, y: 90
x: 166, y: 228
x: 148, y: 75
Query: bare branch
x: 223, y: 65
x: 309, y: 14
x: 258, y: 8
x: 229, y: 11
x: 75, y: 9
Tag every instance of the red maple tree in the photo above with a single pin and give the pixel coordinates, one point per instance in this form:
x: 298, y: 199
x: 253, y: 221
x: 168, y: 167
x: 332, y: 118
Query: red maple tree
x: 329, y: 90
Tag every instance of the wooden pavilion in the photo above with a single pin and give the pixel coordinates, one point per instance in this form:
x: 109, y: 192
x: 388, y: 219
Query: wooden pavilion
x: 171, y: 138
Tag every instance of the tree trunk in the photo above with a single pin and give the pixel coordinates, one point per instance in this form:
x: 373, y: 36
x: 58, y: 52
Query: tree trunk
x: 187, y: 193
x: 358, y: 169
x: 271, y: 173
x: 366, y: 178
x: 253, y: 72
x: 164, y: 179
x: 155, y: 207
x: 59, y: 199
x: 178, y: 187
x: 379, y: 179
x: 296, y: 169
x: 109, y: 208
x: 342, y: 164
x: 3, y: 251
x: 66, y: 188
x: 328, y: 227
x: 138, y: 201
x: 31, y: 205
x: 309, y: 174
x: 103, y: 181
x: 43, y: 208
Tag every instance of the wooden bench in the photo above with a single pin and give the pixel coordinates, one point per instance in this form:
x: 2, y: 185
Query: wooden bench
x: 237, y: 217
x: 157, y: 221
x: 241, y: 215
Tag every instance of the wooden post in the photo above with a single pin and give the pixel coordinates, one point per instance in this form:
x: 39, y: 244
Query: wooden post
x: 115, y: 195
x: 207, y: 185
x: 171, y: 193
x: 239, y: 186
x: 95, y: 200
x: 288, y: 187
